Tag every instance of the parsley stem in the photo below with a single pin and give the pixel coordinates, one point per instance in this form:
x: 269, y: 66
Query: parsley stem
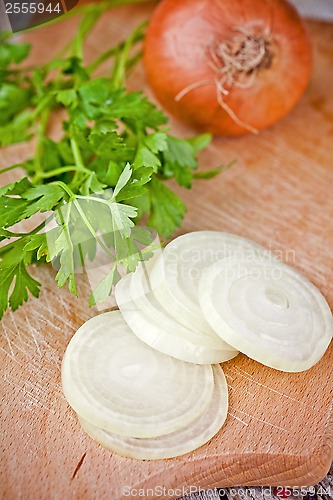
x: 43, y: 104
x: 91, y: 229
x: 78, y: 159
x: 43, y: 123
x: 138, y: 37
x: 5, y: 248
x: 78, y: 182
x: 133, y: 60
x: 58, y: 171
x: 77, y: 155
x: 99, y: 200
x: 73, y: 199
x: 66, y: 189
x: 69, y: 259
x: 86, y: 25
x: 119, y: 72
x: 7, y: 169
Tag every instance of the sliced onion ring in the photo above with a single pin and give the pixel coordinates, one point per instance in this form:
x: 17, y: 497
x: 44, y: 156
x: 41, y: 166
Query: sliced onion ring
x: 177, y: 443
x: 116, y: 382
x: 158, y: 336
x: 176, y: 274
x: 268, y: 311
x: 143, y: 296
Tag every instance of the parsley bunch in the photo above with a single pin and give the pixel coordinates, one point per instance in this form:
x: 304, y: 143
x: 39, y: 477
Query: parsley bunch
x: 96, y: 182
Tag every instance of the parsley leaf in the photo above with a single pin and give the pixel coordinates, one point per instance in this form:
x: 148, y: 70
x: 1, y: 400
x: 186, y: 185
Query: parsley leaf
x: 167, y: 209
x: 180, y: 158
x: 13, y: 99
x: 105, y: 172
x: 24, y: 282
x: 43, y: 198
x: 12, y: 53
x: 13, y: 271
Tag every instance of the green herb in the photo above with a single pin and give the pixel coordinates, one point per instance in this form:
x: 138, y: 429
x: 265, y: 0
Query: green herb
x: 96, y: 182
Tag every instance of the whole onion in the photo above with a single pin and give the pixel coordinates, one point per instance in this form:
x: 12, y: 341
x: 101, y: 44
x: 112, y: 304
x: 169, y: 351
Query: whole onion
x: 229, y: 67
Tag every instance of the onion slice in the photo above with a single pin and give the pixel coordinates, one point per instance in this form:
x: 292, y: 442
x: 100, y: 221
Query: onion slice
x: 176, y: 274
x: 142, y: 294
x: 268, y: 311
x: 116, y: 382
x: 157, y: 334
x: 177, y: 443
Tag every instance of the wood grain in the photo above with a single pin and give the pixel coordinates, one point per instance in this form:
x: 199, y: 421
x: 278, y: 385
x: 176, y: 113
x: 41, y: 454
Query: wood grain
x: 279, y: 427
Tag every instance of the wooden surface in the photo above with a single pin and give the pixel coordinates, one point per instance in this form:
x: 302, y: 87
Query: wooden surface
x: 279, y: 427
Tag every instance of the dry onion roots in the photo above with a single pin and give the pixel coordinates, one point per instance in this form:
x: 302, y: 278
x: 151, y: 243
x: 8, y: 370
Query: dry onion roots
x: 144, y: 380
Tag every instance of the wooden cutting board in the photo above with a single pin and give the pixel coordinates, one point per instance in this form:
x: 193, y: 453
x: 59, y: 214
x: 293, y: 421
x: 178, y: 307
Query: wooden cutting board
x: 279, y: 426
